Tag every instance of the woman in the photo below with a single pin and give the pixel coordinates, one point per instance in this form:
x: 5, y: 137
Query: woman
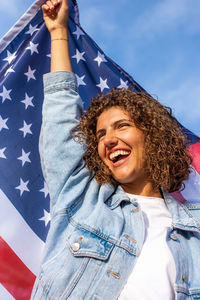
x: 115, y: 231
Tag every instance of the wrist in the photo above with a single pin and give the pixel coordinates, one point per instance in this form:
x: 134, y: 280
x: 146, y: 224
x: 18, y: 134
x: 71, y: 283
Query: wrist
x: 59, y: 33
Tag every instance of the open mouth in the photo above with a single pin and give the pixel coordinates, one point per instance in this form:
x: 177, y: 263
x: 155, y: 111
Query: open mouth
x: 118, y: 155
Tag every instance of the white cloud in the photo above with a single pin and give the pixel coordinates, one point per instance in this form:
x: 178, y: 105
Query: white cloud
x: 166, y: 15
x: 96, y: 18
x: 183, y: 97
x: 11, y: 11
x: 10, y: 8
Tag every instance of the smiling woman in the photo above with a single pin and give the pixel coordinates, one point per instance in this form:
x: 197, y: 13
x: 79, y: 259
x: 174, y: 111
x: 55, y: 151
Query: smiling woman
x: 161, y: 155
x: 121, y: 148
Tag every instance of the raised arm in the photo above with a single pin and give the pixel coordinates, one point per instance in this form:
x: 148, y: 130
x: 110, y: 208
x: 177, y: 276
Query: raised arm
x: 61, y: 155
x: 56, y: 15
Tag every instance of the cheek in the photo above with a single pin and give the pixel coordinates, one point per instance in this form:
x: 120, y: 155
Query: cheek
x: 100, y: 150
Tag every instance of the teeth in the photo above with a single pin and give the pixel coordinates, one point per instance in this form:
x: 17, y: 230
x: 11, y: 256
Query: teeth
x: 117, y: 153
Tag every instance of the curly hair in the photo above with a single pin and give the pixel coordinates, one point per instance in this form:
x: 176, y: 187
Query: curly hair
x: 167, y: 158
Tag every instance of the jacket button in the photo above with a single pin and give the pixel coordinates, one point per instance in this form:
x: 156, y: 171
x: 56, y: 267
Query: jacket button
x: 75, y: 247
x: 173, y: 236
x: 184, y: 278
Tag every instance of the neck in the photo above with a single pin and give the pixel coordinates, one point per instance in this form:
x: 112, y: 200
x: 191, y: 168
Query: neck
x: 144, y: 189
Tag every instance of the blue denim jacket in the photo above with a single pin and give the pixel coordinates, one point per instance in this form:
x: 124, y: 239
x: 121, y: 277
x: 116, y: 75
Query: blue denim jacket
x: 97, y: 232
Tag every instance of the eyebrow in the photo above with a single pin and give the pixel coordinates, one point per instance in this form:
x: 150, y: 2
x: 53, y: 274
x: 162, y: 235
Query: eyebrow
x: 114, y: 124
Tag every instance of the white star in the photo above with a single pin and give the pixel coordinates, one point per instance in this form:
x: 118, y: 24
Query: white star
x: 5, y: 94
x: 10, y: 70
x: 32, y: 29
x: 45, y: 190
x: 103, y: 84
x: 49, y: 55
x: 80, y: 80
x: 26, y: 129
x: 24, y: 158
x: 10, y: 56
x: 2, y: 155
x: 27, y: 101
x: 78, y: 32
x: 123, y: 84
x: 30, y: 74
x: 33, y: 48
x: 23, y: 186
x: 100, y: 58
x: 46, y: 217
x: 79, y: 56
x: 3, y: 123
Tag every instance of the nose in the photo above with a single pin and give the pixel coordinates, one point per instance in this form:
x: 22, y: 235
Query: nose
x: 110, y: 141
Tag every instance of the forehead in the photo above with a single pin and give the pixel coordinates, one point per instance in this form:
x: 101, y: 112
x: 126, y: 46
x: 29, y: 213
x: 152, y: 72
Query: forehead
x: 111, y: 115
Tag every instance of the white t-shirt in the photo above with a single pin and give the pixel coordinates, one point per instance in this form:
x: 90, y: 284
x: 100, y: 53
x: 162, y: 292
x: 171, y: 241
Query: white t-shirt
x: 154, y: 273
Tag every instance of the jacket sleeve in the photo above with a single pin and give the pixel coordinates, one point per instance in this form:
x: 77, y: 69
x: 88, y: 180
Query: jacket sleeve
x: 60, y: 154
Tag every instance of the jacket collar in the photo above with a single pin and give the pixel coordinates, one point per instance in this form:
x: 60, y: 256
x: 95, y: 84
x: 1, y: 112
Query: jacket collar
x: 182, y: 217
x: 117, y: 196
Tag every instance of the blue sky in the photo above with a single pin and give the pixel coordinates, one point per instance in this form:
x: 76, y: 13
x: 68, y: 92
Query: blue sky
x: 155, y: 41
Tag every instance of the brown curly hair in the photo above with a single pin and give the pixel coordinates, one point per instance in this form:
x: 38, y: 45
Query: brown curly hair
x: 167, y: 158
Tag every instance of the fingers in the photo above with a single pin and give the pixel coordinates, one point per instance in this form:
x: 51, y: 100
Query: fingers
x: 50, y: 5
x: 55, y: 14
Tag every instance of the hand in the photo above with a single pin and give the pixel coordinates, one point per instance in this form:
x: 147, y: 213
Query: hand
x: 56, y: 15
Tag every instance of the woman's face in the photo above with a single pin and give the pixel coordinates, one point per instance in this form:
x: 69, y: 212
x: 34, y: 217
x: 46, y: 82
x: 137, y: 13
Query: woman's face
x: 121, y: 146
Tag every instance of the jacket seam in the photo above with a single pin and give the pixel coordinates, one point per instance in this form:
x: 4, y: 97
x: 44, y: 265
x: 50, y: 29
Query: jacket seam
x: 191, y: 216
x: 186, y: 291
x: 76, y: 279
x: 120, y: 244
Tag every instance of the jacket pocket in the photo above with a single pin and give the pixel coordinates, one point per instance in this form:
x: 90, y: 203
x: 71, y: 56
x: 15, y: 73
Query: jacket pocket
x: 187, y: 293
x: 85, y: 243
x: 61, y: 277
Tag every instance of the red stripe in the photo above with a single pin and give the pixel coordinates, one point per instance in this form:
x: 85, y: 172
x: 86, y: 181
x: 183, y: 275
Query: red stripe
x: 14, y: 275
x: 178, y: 196
x: 195, y: 152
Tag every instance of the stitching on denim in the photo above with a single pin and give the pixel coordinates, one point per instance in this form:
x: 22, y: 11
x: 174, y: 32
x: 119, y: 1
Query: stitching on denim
x: 120, y: 244
x: 71, y: 287
x: 129, y: 238
x: 130, y: 248
x: 192, y: 206
x: 182, y: 227
x: 91, y: 253
x: 94, y: 278
x: 88, y: 228
x: 187, y: 291
x: 190, y: 215
x: 60, y: 86
x: 114, y: 274
x: 74, y: 205
x: 135, y: 210
x: 54, y: 274
x: 117, y: 202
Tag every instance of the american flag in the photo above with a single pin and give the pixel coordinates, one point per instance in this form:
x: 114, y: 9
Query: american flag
x: 24, y: 198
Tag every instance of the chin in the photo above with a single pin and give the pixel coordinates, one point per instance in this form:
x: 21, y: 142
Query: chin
x: 122, y: 180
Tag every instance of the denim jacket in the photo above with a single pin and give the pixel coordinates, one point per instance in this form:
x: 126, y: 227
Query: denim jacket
x: 97, y: 232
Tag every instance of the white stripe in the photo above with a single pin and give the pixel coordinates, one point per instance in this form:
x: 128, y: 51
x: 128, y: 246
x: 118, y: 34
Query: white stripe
x: 192, y: 187
x: 20, y: 24
x: 19, y: 236
x: 4, y: 294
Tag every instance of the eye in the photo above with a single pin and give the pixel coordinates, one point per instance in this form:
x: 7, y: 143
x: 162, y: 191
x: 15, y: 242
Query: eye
x: 100, y: 135
x: 121, y: 125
